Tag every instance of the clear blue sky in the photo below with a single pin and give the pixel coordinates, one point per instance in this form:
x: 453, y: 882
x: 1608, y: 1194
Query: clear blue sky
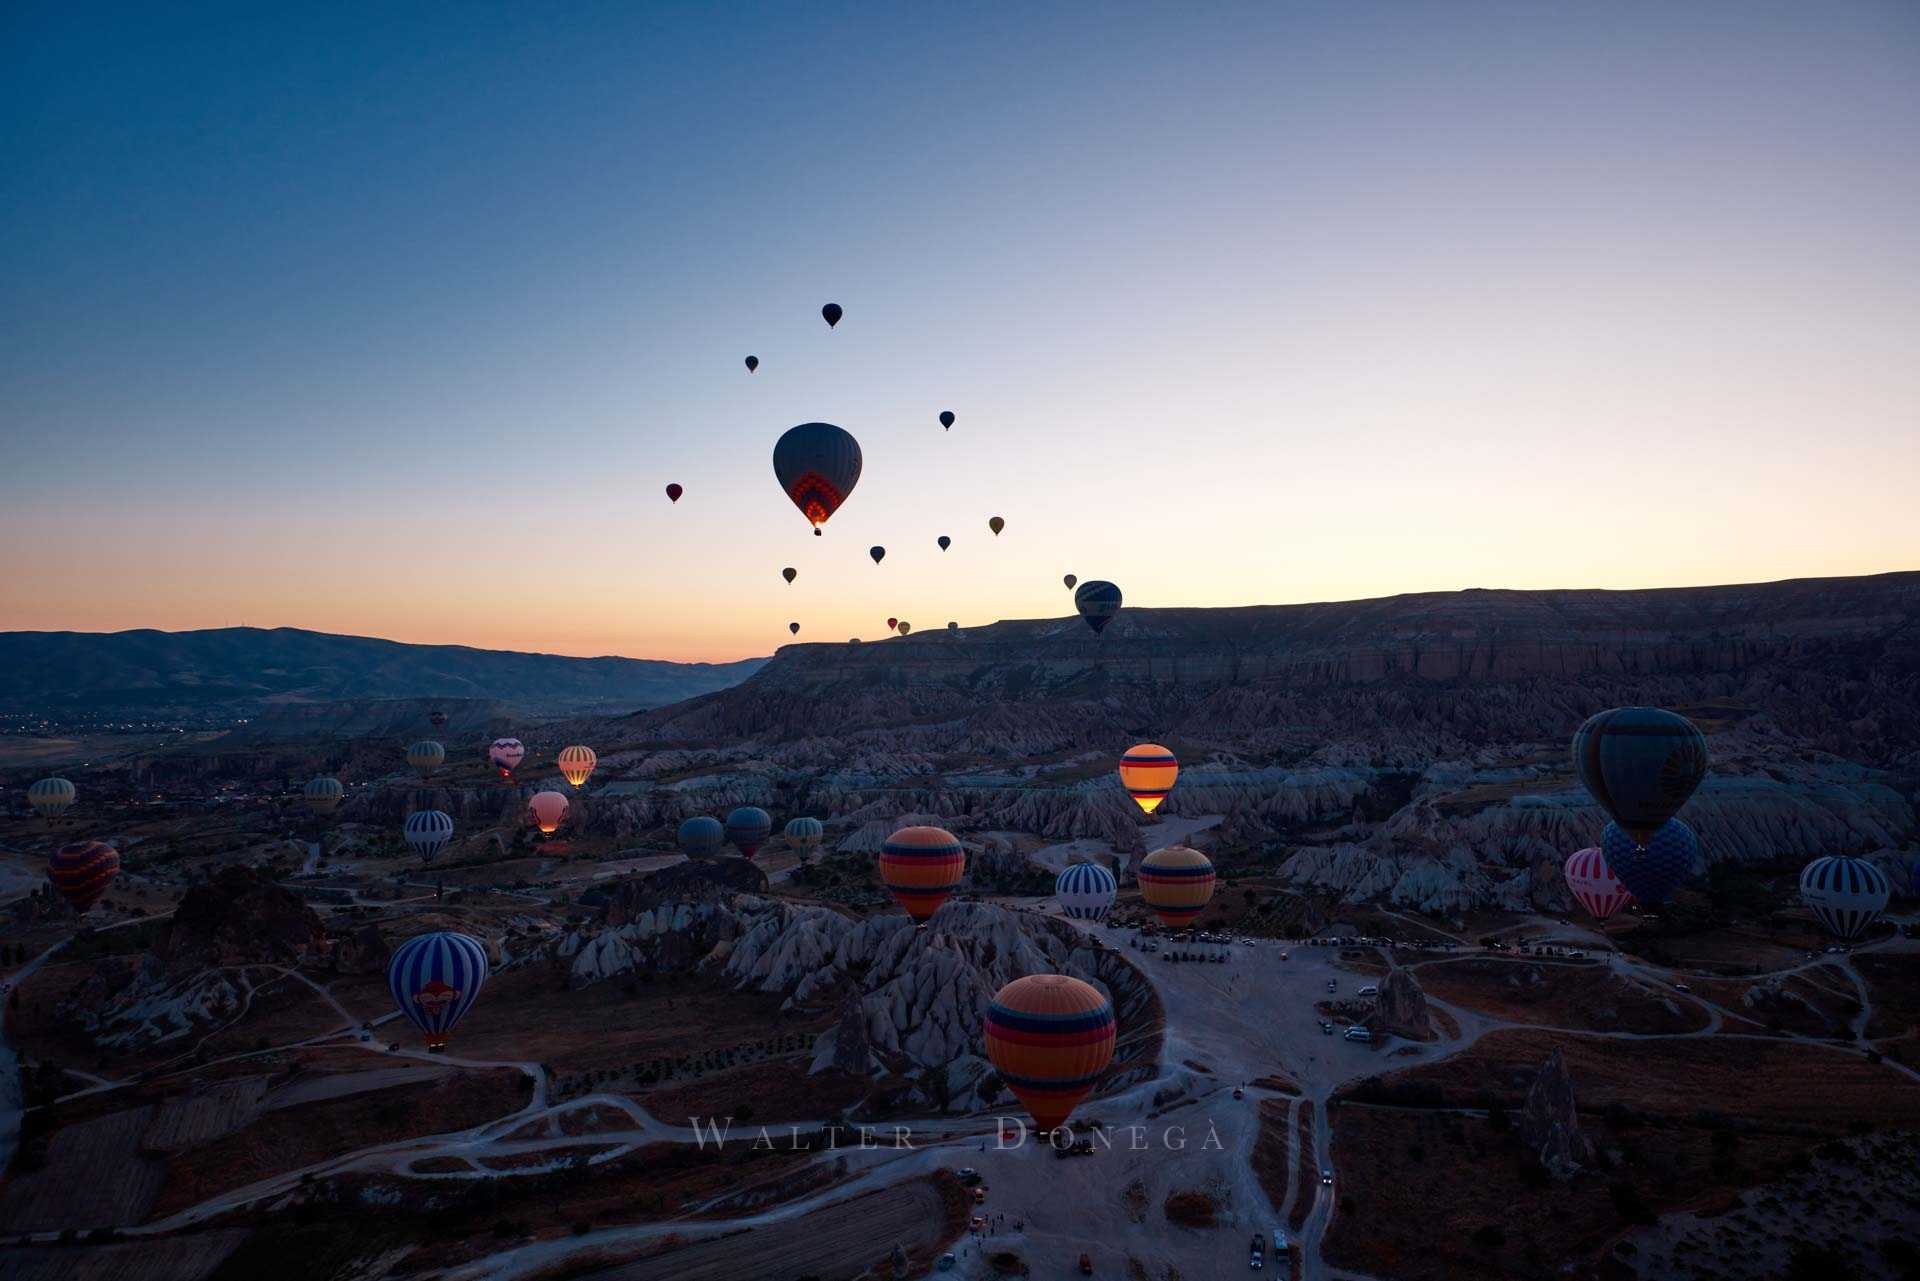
x: 396, y: 319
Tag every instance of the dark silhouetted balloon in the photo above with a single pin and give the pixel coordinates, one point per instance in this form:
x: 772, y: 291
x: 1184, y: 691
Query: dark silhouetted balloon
x: 700, y: 836
x: 831, y: 313
x: 753, y: 363
x: 944, y: 542
x: 437, y: 718
x: 953, y: 627
x: 789, y: 573
x: 878, y: 553
x: 1640, y: 764
x: 892, y: 623
x: 1654, y: 871
x: 674, y: 492
x: 794, y: 628
x: 748, y: 828
x: 82, y: 871
x: 996, y: 525
x: 1070, y: 580
x: 1097, y: 602
x: 946, y: 419
x: 817, y: 465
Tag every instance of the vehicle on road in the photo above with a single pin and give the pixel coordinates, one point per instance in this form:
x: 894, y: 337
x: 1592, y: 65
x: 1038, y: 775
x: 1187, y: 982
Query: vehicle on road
x: 1371, y: 989
x: 1681, y: 987
x: 946, y: 1262
x: 1332, y: 986
x: 1280, y: 1245
x: 1326, y: 1178
x: 1239, y: 1093
x: 1326, y: 1025
x: 1256, y: 1253
x: 1086, y: 1265
x: 968, y: 1175
x: 1357, y: 1033
x: 979, y: 1196
x: 977, y: 1223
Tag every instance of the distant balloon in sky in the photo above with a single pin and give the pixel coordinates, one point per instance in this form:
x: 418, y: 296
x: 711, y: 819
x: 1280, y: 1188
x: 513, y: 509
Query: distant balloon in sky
x: 700, y: 836
x: 506, y: 754
x: 817, y: 465
x: 944, y: 542
x: 946, y: 419
x: 794, y: 628
x: 1050, y: 1036
x: 996, y: 525
x: 1176, y: 882
x: 1097, y: 602
x: 1148, y: 771
x: 953, y: 627
x: 921, y: 867
x: 674, y: 492
x: 753, y: 363
x: 577, y: 762
x: 1594, y: 883
x: 548, y: 810
x: 831, y: 313
x: 82, y: 871
x: 878, y: 553
x: 892, y: 623
x: 426, y: 756
x: 748, y: 828
x: 905, y: 627
x: 1640, y: 764
x: 50, y: 797
x: 436, y: 718
x: 1070, y: 580
x: 1847, y: 894
x: 435, y: 979
x: 427, y: 832
x: 789, y: 573
x: 1651, y: 872
x: 323, y: 795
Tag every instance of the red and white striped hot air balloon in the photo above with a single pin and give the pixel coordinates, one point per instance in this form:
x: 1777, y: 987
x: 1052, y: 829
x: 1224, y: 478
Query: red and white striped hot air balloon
x: 1594, y: 883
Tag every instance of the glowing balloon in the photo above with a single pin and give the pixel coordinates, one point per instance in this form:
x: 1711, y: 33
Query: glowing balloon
x: 1097, y: 602
x: 789, y: 573
x: 944, y: 542
x: 1086, y: 891
x: 506, y: 755
x: 426, y: 756
x: 1652, y: 872
x: 878, y: 553
x: 674, y: 492
x: 831, y: 313
x: 921, y: 867
x: 946, y: 418
x: 748, y: 827
x: 427, y: 832
x: 82, y: 871
x: 1050, y: 1037
x: 1147, y: 771
x: 323, y: 795
x: 1176, y: 883
x: 547, y: 811
x: 51, y: 797
x: 996, y: 525
x: 435, y: 979
x: 1640, y: 764
x: 817, y: 465
x: 700, y: 836
x: 577, y: 762
x: 753, y: 363
x: 1847, y: 894
x: 1594, y: 883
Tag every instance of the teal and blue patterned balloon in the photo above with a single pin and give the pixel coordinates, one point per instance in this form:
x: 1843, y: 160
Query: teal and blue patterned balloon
x: 1640, y: 764
x: 1097, y: 602
x: 1654, y: 871
x: 700, y: 836
x: 435, y: 979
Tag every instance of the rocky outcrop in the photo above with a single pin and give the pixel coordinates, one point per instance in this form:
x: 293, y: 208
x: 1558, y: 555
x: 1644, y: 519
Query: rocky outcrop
x: 1401, y: 1009
x: 237, y: 918
x: 1550, y: 1124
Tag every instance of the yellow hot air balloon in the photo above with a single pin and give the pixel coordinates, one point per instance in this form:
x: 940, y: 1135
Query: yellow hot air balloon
x: 548, y: 810
x: 1147, y: 772
x: 1176, y: 882
x: 577, y: 762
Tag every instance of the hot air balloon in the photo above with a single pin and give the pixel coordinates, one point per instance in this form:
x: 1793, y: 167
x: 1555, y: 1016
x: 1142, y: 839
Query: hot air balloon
x: 82, y: 871
x: 1097, y: 602
x: 577, y: 762
x: 1147, y: 771
x: 817, y: 465
x: 753, y: 363
x: 435, y: 979
x: 426, y: 756
x: 506, y: 755
x: 1640, y: 764
x: 878, y: 553
x: 946, y: 419
x: 1176, y: 882
x: 674, y: 492
x: 996, y: 525
x: 789, y: 573
x: 547, y: 811
x: 1070, y: 580
x: 1594, y: 883
x: 921, y: 866
x: 700, y: 836
x: 953, y: 627
x: 51, y: 797
x: 427, y: 832
x: 748, y: 828
x: 905, y: 627
x: 831, y: 313
x: 436, y: 718
x: 892, y: 623
x: 1050, y: 1037
x: 1847, y: 894
x: 1086, y: 891
x: 323, y: 795
x: 944, y: 542
x: 794, y: 628
x: 805, y: 834
x: 1652, y: 872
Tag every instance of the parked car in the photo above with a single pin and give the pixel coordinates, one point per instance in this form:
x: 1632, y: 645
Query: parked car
x: 1371, y: 989
x: 979, y: 1196
x: 1357, y: 1033
x: 946, y: 1262
x: 1332, y: 986
x: 1326, y: 1025
x: 1239, y: 1093
x: 1681, y: 987
x: 1326, y: 1178
x: 1280, y: 1245
x: 1256, y: 1253
x: 968, y: 1175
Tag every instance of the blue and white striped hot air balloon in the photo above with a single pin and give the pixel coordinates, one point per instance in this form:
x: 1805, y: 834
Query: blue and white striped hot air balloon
x: 1086, y: 891
x: 428, y: 832
x: 435, y: 979
x: 1847, y: 894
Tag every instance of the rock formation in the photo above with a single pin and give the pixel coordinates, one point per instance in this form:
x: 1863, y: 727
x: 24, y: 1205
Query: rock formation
x: 1550, y: 1125
x: 1401, y: 1009
x: 237, y: 918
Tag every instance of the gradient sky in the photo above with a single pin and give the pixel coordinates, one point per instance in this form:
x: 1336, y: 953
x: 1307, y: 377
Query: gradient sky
x: 396, y: 319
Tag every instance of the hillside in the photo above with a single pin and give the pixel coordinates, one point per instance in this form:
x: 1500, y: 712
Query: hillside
x: 241, y: 670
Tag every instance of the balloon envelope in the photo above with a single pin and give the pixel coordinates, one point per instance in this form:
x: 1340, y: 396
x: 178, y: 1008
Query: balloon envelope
x: 435, y: 979
x: 506, y: 755
x: 794, y: 628
x: 700, y: 835
x: 674, y: 492
x: 50, y: 797
x: 748, y: 828
x: 1176, y: 882
x: 789, y: 573
x: 1148, y: 771
x: 753, y: 363
x: 946, y: 418
x: 1097, y: 602
x: 817, y: 465
x: 892, y: 623
x: 805, y: 833
x: 1640, y: 764
x: 1847, y: 894
x: 944, y: 542
x: 436, y: 718
x: 1050, y: 1037
x: 831, y: 313
x: 323, y: 795
x: 1086, y: 891
x: 905, y: 627
x: 577, y: 762
x: 427, y: 832
x: 426, y: 756
x: 996, y: 524
x: 547, y: 811
x: 878, y: 553
x: 82, y: 871
x: 921, y: 867
x: 1653, y: 872
x: 1594, y: 883
x: 1070, y: 580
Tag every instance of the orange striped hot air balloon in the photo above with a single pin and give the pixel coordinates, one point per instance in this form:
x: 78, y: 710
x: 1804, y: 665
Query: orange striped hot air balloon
x: 1050, y: 1037
x: 922, y: 865
x: 1147, y: 772
x: 82, y: 871
x: 1176, y: 882
x: 576, y: 763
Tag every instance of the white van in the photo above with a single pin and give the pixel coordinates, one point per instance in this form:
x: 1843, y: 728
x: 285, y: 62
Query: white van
x: 1371, y: 989
x: 1280, y: 1245
x: 1357, y: 1033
